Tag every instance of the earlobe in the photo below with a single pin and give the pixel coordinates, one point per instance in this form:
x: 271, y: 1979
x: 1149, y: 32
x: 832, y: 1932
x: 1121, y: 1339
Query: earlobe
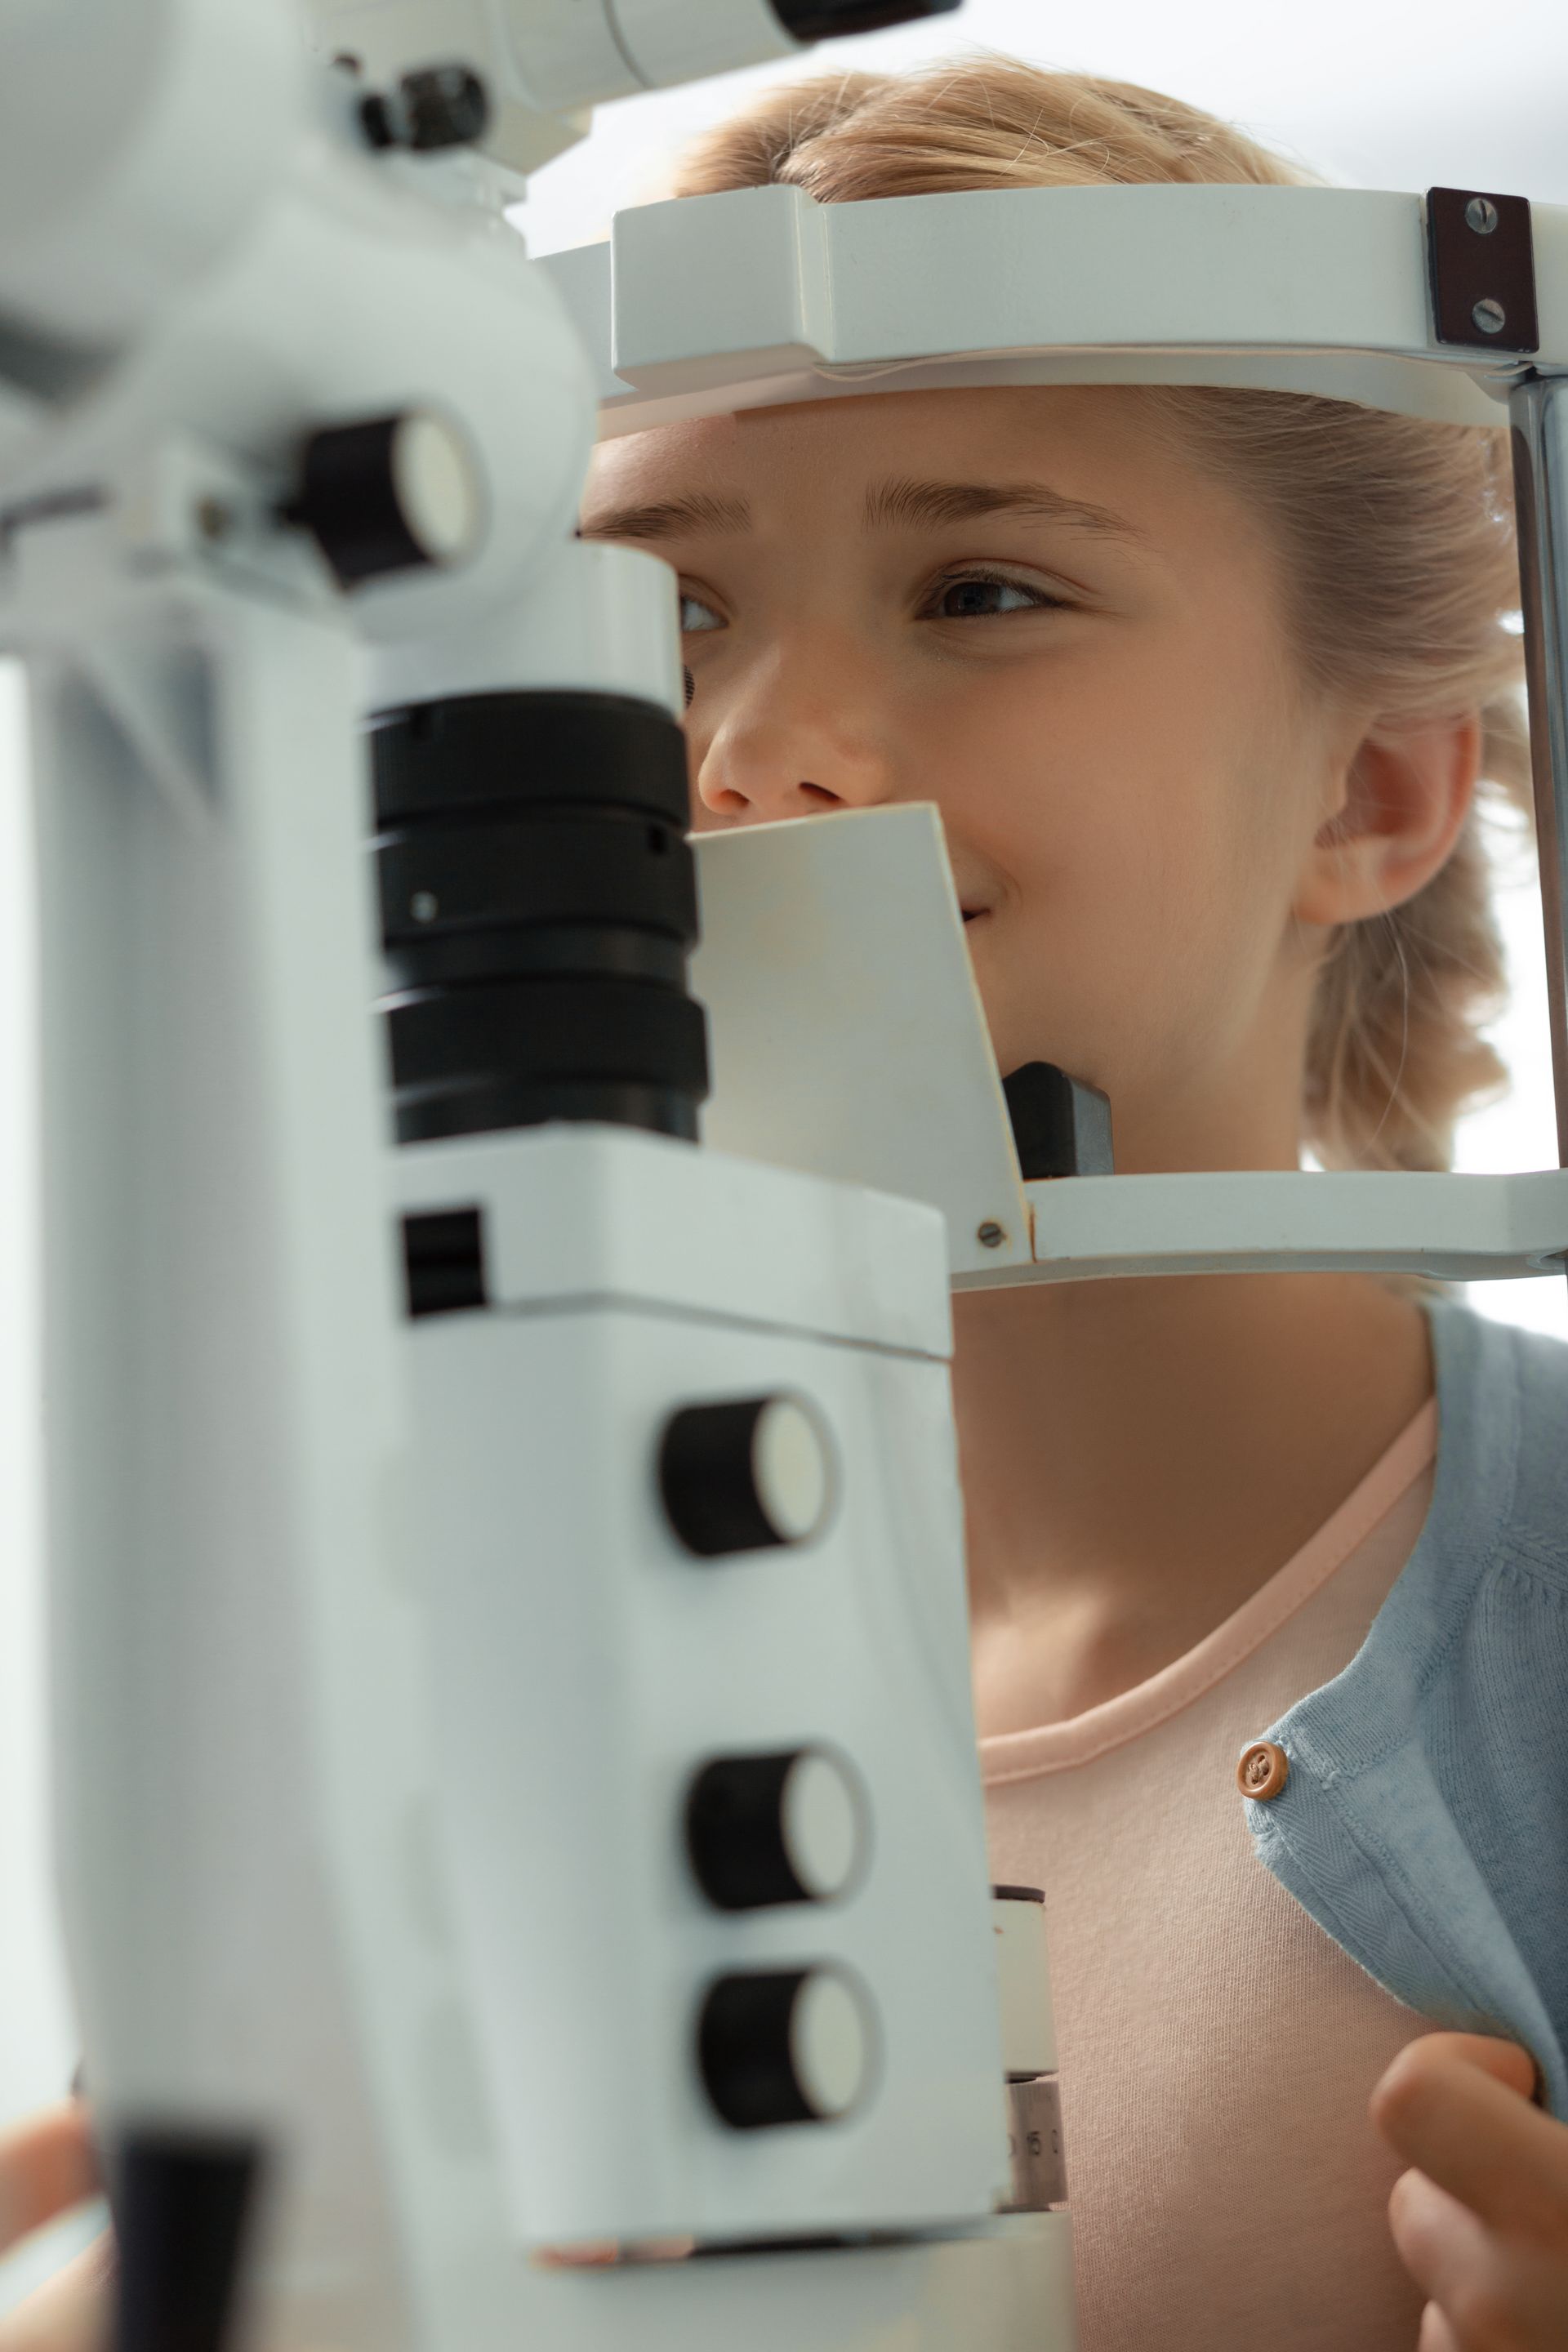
x: 1406, y: 797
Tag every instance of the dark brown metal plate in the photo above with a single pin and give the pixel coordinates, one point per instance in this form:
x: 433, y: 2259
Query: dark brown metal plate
x: 1482, y: 266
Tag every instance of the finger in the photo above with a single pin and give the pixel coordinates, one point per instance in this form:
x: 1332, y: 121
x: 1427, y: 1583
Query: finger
x: 1436, y: 2336
x: 1441, y: 2241
x: 46, y: 2167
x: 70, y: 2313
x: 1484, y: 2293
x: 1487, y: 2053
x: 1459, y: 2116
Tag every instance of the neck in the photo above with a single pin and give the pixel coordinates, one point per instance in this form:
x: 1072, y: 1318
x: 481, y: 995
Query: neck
x: 1140, y: 1456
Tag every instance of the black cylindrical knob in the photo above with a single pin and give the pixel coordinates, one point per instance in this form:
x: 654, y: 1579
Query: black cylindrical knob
x: 741, y: 1475
x: 786, y: 1828
x: 795, y: 2047
x: 394, y: 494
x: 822, y: 20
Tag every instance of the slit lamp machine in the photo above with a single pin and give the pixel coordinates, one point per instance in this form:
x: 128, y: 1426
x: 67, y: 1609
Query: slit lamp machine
x: 514, y: 1766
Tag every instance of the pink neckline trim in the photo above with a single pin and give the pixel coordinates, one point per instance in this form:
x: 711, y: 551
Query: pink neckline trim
x: 1053, y: 1747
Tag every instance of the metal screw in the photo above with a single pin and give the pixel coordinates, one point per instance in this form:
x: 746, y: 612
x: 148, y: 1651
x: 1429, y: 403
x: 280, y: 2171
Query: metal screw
x: 214, y: 520
x: 1481, y: 215
x: 991, y: 1235
x: 424, y: 905
x: 1489, y: 315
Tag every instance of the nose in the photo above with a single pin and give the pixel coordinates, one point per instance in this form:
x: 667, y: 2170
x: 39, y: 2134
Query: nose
x: 800, y: 740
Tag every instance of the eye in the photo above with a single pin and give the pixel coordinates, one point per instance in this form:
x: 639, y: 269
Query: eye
x: 978, y: 595
x: 691, y: 604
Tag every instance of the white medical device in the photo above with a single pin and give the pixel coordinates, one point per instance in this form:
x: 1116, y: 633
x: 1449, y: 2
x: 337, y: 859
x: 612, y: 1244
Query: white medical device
x: 515, y: 1771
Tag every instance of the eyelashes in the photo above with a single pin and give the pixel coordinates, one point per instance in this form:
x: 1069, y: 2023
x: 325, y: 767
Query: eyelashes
x: 1037, y: 599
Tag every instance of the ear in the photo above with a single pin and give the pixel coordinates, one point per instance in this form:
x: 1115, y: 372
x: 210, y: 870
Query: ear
x: 1402, y: 800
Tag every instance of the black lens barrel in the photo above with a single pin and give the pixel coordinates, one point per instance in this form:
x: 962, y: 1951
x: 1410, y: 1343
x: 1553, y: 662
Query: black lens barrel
x: 538, y: 905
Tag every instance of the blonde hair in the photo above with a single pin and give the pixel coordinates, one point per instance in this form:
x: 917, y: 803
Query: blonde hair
x: 1398, y: 536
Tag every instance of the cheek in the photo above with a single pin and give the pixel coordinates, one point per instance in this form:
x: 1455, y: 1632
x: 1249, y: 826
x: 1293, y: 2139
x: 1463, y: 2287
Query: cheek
x: 1146, y: 876
x: 1119, y: 795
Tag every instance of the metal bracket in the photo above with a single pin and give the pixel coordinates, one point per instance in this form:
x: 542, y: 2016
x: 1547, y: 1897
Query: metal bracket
x: 1480, y: 261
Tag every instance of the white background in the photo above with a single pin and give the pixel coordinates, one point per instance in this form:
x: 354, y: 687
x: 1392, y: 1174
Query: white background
x: 1373, y: 91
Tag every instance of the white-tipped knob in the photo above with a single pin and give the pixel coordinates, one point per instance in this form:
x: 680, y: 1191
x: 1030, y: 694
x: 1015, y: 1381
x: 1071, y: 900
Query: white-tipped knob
x: 830, y: 2044
x: 435, y: 482
x: 821, y: 1825
x: 790, y: 1468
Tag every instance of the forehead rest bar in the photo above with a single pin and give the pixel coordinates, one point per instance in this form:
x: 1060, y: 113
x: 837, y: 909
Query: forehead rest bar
x: 707, y: 304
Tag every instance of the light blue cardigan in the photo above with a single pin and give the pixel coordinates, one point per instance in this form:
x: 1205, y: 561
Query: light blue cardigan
x: 1424, y: 1819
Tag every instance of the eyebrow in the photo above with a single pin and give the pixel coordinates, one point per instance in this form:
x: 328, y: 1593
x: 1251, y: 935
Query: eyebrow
x: 888, y: 505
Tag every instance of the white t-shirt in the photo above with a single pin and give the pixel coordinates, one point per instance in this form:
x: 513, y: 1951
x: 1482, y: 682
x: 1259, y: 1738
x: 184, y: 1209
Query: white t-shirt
x: 1227, y: 2191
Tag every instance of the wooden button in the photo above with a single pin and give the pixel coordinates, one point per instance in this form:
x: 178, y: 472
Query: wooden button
x: 1263, y: 1770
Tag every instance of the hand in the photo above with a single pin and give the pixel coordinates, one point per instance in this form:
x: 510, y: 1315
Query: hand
x: 1481, y: 2223
x: 47, y: 2165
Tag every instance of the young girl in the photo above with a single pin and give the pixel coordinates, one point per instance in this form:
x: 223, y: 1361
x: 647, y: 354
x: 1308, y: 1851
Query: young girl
x: 1204, y: 684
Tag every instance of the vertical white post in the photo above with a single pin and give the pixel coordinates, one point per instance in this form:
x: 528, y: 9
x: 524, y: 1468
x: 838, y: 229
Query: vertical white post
x: 240, y: 1758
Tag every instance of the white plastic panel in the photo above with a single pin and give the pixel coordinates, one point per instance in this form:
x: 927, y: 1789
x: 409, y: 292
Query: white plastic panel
x: 585, y: 1664
x: 222, y: 1417
x: 1024, y: 1987
x: 549, y: 55
x: 352, y: 290
x: 565, y: 52
x: 1307, y: 289
x: 604, y: 1212
x: 772, y: 260
x: 1456, y: 1228
x: 1006, y: 2287
x: 601, y: 620
x: 848, y: 1038
x: 123, y: 173
x: 671, y: 41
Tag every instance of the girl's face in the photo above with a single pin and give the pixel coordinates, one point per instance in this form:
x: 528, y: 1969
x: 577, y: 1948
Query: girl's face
x: 1021, y: 606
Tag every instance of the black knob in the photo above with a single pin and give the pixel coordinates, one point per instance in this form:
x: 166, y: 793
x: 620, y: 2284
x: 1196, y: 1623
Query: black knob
x: 822, y: 20
x: 394, y: 494
x: 741, y: 1475
x: 789, y: 1828
x: 444, y: 106
x: 796, y: 2047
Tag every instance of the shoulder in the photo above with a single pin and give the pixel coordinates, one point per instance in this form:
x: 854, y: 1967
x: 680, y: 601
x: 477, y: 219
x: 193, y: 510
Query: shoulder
x: 1429, y: 1828
x: 1474, y: 1630
x: 1500, y: 1495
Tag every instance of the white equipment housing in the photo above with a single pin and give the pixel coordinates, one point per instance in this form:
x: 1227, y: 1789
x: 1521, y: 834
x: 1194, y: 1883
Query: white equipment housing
x: 617, y: 1277
x: 390, y: 1643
